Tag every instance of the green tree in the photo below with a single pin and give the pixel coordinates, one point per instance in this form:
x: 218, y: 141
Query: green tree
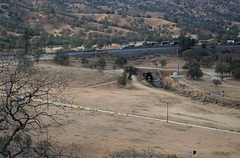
x: 129, y: 71
x: 100, y: 45
x: 88, y: 44
x: 207, y: 61
x: 189, y: 64
x: 102, y: 63
x: 236, y: 73
x: 203, y: 53
x: 216, y: 82
x: 28, y: 34
x: 189, y: 54
x: 221, y: 68
x: 149, y: 16
x: 227, y: 58
x: 193, y: 69
x: 185, y: 42
x: 61, y: 58
x: 120, y: 61
x: 163, y: 62
x: 194, y: 72
x: 122, y: 80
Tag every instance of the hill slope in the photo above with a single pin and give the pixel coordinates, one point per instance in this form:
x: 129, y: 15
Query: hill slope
x: 135, y: 20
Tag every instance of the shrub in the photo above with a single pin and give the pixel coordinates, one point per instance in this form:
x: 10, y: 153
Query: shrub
x: 221, y: 68
x: 92, y: 64
x: 149, y: 16
x: 236, y: 73
x: 122, y: 80
x: 163, y: 62
x: 194, y: 72
x: 61, y: 58
x: 189, y: 54
x: 120, y: 61
x: 207, y: 61
x: 102, y: 63
x: 216, y: 82
x: 193, y: 69
x: 129, y: 71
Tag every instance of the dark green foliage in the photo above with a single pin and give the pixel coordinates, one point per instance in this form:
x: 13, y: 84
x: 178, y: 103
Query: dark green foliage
x: 149, y: 16
x: 216, y: 82
x: 8, y: 41
x: 221, y: 68
x: 102, y: 63
x: 129, y: 71
x: 28, y: 34
x: 235, y: 64
x: 61, y: 58
x: 109, y: 31
x: 189, y: 54
x: 236, y: 73
x: 203, y: 53
x: 193, y: 70
x: 227, y: 58
x: 189, y: 64
x: 122, y: 80
x: 100, y: 45
x: 127, y: 74
x: 207, y: 61
x: 185, y: 42
x: 120, y: 61
x: 208, y: 17
x: 88, y: 44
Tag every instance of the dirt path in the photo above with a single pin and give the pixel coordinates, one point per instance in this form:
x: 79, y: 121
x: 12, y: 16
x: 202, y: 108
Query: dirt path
x: 98, y: 133
x: 213, y: 75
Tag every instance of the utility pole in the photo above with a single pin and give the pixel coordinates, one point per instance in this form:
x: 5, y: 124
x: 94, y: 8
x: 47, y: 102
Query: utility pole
x: 167, y: 112
x: 177, y: 63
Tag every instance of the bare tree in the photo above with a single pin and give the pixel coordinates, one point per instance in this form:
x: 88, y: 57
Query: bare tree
x: 23, y: 112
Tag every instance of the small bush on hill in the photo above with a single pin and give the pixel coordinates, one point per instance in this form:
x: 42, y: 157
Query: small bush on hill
x: 61, y: 58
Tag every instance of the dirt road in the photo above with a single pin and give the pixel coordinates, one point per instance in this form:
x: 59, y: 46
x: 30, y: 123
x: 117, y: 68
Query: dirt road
x: 98, y: 133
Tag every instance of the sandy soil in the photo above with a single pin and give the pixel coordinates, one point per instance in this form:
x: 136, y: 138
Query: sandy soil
x: 98, y: 133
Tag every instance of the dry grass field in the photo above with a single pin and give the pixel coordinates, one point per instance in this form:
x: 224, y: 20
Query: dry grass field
x: 96, y: 134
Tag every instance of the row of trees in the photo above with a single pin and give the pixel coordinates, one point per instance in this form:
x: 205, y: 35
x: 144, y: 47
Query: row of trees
x: 62, y: 58
x: 225, y: 64
x: 228, y: 67
x: 9, y: 41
